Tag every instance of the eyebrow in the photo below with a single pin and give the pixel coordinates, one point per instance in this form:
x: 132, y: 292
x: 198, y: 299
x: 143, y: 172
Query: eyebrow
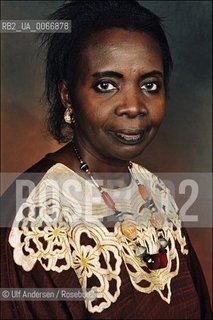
x: 153, y: 73
x: 103, y: 74
x: 118, y: 75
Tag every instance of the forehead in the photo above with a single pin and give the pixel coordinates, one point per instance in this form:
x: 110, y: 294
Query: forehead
x: 118, y: 49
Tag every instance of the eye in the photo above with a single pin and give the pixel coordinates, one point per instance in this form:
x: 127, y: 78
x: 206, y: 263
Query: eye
x: 152, y: 87
x: 105, y: 86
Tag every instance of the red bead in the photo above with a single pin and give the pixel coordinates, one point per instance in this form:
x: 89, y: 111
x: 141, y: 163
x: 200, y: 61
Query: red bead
x: 155, y: 262
x: 143, y: 191
x: 108, y: 200
x: 159, y: 261
x: 163, y: 259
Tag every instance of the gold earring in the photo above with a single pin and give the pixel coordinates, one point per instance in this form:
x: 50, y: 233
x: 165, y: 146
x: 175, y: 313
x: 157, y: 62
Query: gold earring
x: 68, y: 116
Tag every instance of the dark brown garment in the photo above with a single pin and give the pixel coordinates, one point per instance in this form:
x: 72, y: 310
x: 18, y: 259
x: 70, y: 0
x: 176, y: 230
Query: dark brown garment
x: 190, y: 299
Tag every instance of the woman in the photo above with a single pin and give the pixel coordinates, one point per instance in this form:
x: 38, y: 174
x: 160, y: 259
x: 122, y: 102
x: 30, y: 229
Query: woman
x: 96, y: 220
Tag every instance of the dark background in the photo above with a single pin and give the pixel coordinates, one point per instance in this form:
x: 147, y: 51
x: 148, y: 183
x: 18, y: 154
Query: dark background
x: 184, y: 141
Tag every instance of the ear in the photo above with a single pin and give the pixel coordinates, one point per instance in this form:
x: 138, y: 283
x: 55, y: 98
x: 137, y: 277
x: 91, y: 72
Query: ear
x: 64, y: 93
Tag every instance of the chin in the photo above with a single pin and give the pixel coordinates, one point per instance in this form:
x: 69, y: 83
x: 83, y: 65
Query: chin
x: 130, y: 152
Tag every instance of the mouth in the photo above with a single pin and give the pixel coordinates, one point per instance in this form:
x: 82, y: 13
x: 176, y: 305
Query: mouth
x: 129, y: 137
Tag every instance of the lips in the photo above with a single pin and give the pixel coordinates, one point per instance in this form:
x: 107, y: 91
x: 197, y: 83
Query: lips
x: 129, y: 137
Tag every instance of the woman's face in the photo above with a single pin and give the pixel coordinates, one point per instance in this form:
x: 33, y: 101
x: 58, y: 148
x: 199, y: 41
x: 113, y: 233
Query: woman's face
x: 119, y: 98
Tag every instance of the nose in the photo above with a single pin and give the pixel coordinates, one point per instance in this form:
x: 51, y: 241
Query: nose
x: 132, y: 105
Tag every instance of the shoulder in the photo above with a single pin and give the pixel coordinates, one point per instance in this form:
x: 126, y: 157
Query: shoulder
x: 40, y: 168
x: 42, y: 165
x: 34, y: 174
x: 20, y: 188
x: 149, y: 178
x: 158, y: 189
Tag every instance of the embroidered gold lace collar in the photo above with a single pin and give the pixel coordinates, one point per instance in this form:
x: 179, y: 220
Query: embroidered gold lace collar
x: 64, y: 208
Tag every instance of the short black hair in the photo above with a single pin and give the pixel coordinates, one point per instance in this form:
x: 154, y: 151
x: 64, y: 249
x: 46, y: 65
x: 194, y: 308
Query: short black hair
x: 63, y: 49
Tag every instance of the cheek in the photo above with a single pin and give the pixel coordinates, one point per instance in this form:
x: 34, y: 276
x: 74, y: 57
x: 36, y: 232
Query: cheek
x: 90, y: 112
x: 89, y: 117
x: 83, y: 104
x: 157, y: 112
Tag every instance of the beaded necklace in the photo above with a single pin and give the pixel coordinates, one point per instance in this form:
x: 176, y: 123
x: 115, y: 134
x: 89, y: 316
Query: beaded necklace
x: 128, y: 228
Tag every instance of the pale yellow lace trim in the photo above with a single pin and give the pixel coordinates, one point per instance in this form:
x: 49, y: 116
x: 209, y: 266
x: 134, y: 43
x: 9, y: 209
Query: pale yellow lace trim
x: 48, y: 230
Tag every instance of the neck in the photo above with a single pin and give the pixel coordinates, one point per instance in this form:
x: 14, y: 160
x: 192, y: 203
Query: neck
x: 98, y: 163
x: 113, y: 173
